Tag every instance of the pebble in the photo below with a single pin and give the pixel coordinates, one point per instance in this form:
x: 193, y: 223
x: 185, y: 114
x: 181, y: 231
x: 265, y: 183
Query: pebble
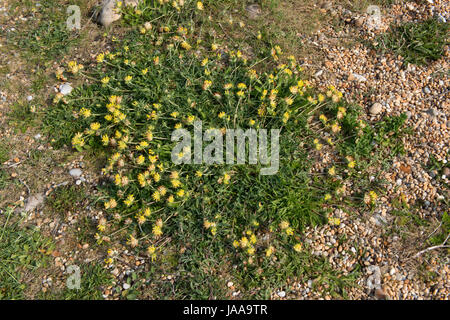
x: 126, y: 286
x: 253, y: 11
x: 34, y: 201
x: 281, y: 294
x: 376, y: 108
x: 76, y: 173
x: 65, y: 89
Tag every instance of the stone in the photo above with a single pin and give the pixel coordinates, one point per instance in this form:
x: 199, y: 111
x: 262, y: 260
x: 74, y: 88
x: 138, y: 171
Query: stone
x: 126, y: 286
x: 76, y: 173
x: 29, y: 98
x: 357, y: 77
x: 446, y: 172
x: 441, y: 18
x: 281, y: 294
x: 376, y: 108
x: 432, y: 112
x: 34, y: 201
x: 318, y: 73
x: 109, y: 13
x: 380, y: 295
x: 253, y: 11
x: 65, y: 88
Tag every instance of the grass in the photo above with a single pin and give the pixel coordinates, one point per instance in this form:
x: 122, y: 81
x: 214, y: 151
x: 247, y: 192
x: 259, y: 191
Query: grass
x: 21, y: 116
x: 4, y: 152
x: 40, y: 41
x: 417, y: 42
x: 23, y: 252
x: 66, y: 198
x: 93, y: 278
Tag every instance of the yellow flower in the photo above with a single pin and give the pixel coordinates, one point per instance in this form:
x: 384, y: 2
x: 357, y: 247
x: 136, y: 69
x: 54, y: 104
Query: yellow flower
x: 244, y: 242
x: 214, y: 47
x: 221, y: 115
x: 284, y: 225
x: 141, y: 219
x: 129, y: 201
x: 85, y: 112
x: 156, y: 196
x: 140, y: 160
x: 105, y: 80
x: 327, y: 197
x: 298, y: 247
x: 334, y: 221
x: 332, y: 171
x: 77, y: 140
x: 207, y: 84
x: 289, y: 231
x: 157, y: 230
x: 286, y: 117
x: 199, y: 5
x: 270, y: 251
x: 321, y: 98
x: 228, y: 86
x: 198, y: 173
x: 335, y: 127
x: 128, y: 78
x: 144, y: 71
x: 151, y: 250
x: 95, y: 126
x: 242, y: 86
x: 186, y: 45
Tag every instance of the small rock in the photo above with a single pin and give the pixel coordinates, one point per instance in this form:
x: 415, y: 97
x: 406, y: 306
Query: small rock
x: 34, y: 201
x: 432, y: 112
x: 29, y: 98
x: 37, y: 136
x: 441, y: 19
x: 357, y: 77
x: 376, y: 108
x: 108, y: 13
x: 229, y: 284
x: 126, y: 286
x: 76, y: 173
x: 253, y: 11
x: 281, y: 294
x: 446, y: 172
x: 65, y: 89
x: 380, y: 295
x: 318, y: 73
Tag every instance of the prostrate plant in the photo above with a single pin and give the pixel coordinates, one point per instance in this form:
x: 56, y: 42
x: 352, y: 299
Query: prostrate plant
x: 165, y: 77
